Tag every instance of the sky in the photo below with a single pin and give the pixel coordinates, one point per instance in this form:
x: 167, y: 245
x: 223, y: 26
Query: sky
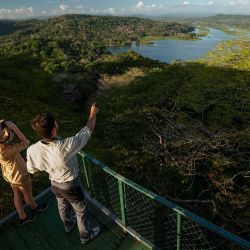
x: 34, y: 8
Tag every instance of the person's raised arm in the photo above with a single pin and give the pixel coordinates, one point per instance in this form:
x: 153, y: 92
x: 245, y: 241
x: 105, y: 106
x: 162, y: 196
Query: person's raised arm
x: 92, y: 117
x: 74, y: 144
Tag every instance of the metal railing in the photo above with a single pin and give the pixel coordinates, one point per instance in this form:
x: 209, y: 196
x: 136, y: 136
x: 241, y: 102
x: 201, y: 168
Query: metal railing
x: 158, y: 220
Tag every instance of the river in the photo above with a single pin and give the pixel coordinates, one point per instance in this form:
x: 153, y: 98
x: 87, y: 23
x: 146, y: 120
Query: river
x: 170, y: 50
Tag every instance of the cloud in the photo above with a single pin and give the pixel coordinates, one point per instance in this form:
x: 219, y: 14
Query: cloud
x: 16, y: 13
x: 93, y: 10
x: 244, y: 2
x: 188, y: 7
x: 140, y: 5
x: 80, y: 7
x: 108, y: 11
x: 111, y: 11
x: 241, y: 2
x: 63, y: 7
x: 43, y: 12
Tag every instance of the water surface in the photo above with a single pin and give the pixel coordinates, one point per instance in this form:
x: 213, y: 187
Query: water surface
x: 170, y: 50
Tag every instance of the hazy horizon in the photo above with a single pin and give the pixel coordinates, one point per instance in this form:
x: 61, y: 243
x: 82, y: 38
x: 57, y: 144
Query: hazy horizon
x: 151, y: 8
x: 174, y: 16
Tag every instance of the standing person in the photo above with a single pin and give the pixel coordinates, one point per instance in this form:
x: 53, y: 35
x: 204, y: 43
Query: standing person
x: 58, y: 157
x: 15, y: 172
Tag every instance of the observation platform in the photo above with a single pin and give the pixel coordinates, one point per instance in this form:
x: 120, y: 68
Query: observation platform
x: 47, y: 232
x: 130, y: 216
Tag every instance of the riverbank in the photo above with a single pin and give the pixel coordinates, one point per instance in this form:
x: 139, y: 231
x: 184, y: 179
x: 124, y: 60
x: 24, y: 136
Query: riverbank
x: 202, y: 31
x: 228, y: 30
x: 147, y: 40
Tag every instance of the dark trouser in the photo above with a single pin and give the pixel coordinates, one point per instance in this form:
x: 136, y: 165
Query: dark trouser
x: 75, y: 198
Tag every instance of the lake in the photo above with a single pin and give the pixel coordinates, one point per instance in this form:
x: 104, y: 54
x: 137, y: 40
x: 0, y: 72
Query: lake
x: 170, y: 50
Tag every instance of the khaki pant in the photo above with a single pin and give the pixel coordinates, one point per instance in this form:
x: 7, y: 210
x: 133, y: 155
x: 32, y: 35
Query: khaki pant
x: 74, y: 198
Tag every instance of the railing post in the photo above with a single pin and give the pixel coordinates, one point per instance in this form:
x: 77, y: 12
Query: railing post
x: 178, y: 245
x: 86, y: 174
x: 122, y: 201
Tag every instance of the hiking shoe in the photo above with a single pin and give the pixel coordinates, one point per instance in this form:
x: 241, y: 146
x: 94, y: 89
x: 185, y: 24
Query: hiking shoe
x: 70, y: 228
x: 93, y: 233
x: 40, y: 208
x: 29, y: 218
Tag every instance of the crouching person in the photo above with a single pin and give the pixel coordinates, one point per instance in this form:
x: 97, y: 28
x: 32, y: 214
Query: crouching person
x: 15, y: 172
x: 58, y: 157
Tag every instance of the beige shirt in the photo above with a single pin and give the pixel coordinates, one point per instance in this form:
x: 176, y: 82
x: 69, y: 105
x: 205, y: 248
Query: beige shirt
x: 59, y: 157
x: 13, y: 165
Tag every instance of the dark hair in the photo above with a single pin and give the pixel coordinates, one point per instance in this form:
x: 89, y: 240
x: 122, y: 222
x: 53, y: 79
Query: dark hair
x: 43, y: 125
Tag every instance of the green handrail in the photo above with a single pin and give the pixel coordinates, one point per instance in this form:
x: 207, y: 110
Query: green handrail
x: 161, y: 200
x: 178, y: 231
x: 122, y: 201
x: 86, y: 174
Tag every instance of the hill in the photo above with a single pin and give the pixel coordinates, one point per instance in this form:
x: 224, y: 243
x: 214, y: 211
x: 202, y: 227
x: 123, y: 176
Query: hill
x: 63, y: 41
x: 181, y: 130
x: 230, y: 24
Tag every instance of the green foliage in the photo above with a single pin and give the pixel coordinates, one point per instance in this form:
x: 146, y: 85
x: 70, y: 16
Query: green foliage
x: 178, y: 101
x: 61, y: 42
x: 119, y: 64
x: 8, y: 27
x: 208, y: 94
x: 28, y: 89
x: 180, y: 129
x: 25, y: 91
x: 150, y: 39
x: 231, y: 54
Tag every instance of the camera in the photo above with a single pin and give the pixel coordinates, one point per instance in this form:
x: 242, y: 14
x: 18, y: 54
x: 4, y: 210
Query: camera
x: 3, y: 124
x: 3, y: 129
